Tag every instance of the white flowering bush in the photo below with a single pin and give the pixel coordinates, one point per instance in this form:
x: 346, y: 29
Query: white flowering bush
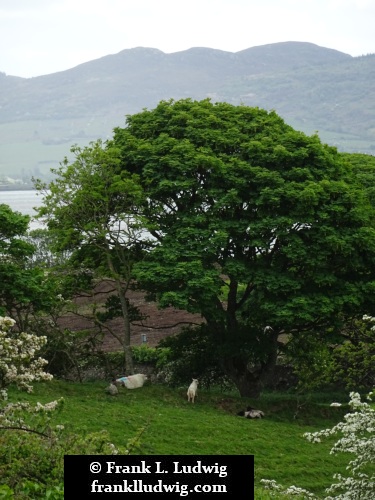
x: 19, y: 365
x: 357, y: 437
x: 31, y: 449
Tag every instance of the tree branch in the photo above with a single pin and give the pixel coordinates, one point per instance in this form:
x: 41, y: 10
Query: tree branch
x: 16, y: 428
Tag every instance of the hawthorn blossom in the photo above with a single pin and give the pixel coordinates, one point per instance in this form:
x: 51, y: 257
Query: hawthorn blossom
x: 20, y: 366
x: 357, y: 432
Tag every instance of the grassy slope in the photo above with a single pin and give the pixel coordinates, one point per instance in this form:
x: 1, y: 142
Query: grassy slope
x: 209, y: 427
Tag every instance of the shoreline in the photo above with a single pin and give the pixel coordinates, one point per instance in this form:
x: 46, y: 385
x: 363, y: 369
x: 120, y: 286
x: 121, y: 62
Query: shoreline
x: 18, y: 188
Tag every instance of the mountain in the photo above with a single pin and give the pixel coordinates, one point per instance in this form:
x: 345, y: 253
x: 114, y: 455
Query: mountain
x: 313, y: 88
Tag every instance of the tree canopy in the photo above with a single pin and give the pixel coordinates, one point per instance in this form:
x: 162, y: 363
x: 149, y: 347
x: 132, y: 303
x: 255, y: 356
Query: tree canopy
x: 257, y: 225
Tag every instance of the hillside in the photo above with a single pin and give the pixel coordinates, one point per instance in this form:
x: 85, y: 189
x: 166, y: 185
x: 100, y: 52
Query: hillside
x: 313, y: 88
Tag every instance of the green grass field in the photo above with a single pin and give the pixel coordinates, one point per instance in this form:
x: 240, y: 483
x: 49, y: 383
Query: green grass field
x: 31, y: 148
x: 209, y: 427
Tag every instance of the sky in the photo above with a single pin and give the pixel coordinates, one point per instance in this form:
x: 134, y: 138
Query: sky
x: 39, y: 37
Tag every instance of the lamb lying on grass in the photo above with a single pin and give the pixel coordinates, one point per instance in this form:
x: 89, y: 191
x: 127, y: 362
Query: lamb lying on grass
x: 251, y: 413
x: 112, y: 389
x: 192, y: 390
x: 132, y: 381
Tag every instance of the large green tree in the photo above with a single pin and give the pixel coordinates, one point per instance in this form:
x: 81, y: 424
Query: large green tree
x: 259, y: 228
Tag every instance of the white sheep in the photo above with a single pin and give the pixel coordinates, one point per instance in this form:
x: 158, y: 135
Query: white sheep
x: 132, y: 381
x: 192, y: 390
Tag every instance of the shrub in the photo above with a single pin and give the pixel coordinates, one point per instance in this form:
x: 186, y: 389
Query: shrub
x: 191, y: 354
x: 353, y: 362
x: 357, y: 437
x: 31, y: 459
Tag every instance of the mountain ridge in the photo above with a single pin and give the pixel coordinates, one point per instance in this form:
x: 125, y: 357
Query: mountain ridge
x: 148, y: 50
x: 312, y: 87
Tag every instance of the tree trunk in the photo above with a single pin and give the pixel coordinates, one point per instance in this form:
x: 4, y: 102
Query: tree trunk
x: 249, y: 384
x: 128, y: 358
x: 250, y: 379
x: 129, y: 365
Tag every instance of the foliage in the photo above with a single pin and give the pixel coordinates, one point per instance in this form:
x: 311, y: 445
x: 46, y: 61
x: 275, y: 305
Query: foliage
x: 89, y: 207
x: 112, y: 363
x: 192, y: 354
x: 29, y: 290
x: 311, y: 360
x: 353, y: 361
x: 31, y: 462
x: 346, y: 360
x: 28, y: 458
x: 32, y: 490
x: 24, y: 289
x: 364, y: 168
x: 66, y: 351
x: 144, y: 354
x: 237, y: 198
x: 12, y: 226
x: 6, y: 492
x: 44, y: 254
x: 357, y: 436
x: 69, y: 352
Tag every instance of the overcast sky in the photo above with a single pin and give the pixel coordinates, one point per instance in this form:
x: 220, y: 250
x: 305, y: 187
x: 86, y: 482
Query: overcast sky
x: 45, y: 36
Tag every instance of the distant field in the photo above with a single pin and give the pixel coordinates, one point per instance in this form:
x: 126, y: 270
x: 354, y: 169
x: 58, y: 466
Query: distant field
x: 32, y: 148
x: 27, y: 159
x: 347, y: 143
